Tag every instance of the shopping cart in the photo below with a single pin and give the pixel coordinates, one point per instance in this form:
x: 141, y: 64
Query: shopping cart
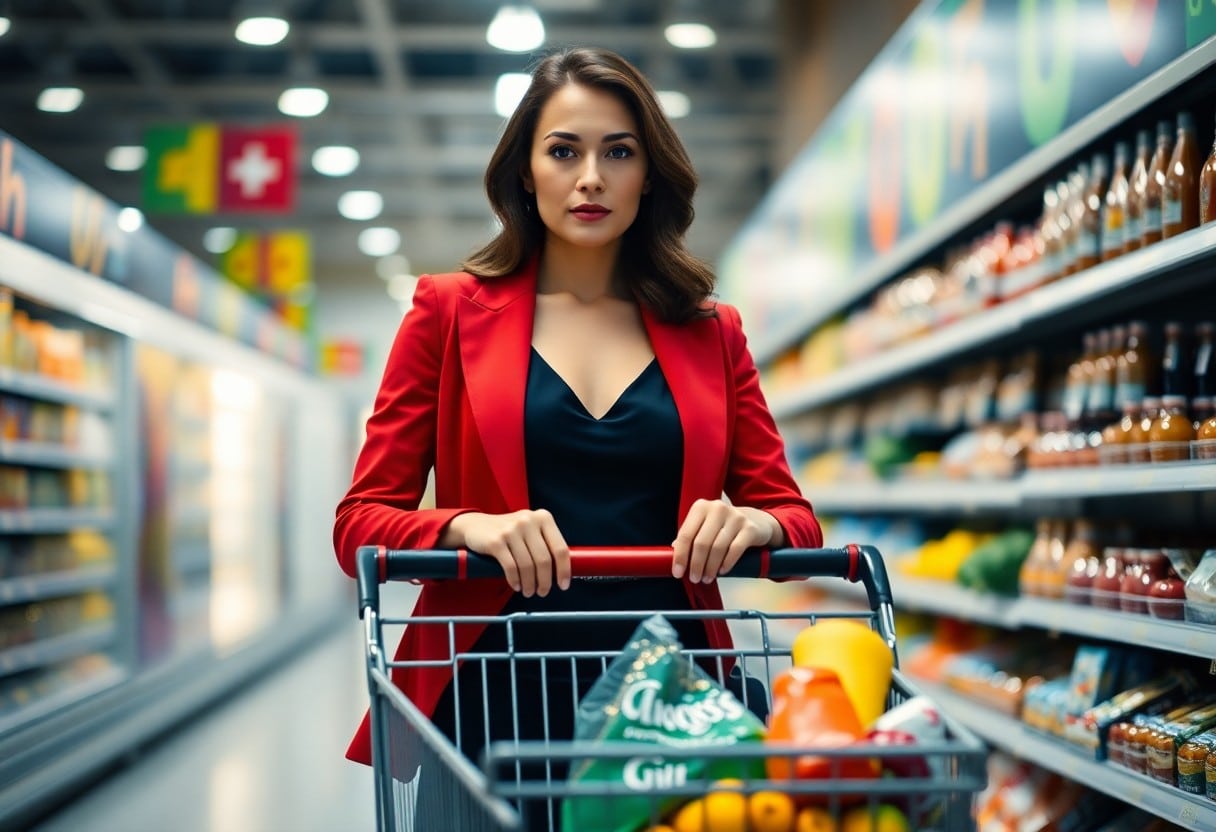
x: 424, y: 783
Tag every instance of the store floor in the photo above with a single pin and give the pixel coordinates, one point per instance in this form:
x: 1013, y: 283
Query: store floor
x: 269, y: 760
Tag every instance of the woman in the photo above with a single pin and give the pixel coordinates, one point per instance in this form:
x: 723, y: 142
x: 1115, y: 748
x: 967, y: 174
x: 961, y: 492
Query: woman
x: 574, y: 386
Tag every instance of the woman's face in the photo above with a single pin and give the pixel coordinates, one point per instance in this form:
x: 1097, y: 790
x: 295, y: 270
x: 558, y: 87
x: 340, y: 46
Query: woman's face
x: 587, y: 167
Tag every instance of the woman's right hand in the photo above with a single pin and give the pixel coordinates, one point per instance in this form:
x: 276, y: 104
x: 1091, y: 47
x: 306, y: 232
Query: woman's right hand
x: 527, y: 544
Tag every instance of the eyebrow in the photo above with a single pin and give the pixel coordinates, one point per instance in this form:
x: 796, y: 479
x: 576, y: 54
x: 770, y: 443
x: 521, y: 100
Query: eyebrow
x: 608, y: 137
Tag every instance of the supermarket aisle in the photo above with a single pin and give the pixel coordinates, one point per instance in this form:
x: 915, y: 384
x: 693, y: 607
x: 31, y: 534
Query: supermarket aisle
x: 268, y: 761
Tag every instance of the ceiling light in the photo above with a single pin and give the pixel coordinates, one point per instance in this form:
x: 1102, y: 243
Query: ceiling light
x: 360, y: 205
x: 262, y: 31
x: 219, y: 240
x: 60, y: 99
x: 509, y: 91
x: 126, y: 157
x: 130, y: 220
x: 516, y: 29
x: 391, y: 266
x: 304, y: 102
x: 675, y: 103
x: 379, y: 242
x: 335, y: 160
x: 5, y: 25
x: 690, y: 35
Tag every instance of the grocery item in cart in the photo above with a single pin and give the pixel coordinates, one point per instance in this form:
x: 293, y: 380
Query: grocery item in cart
x: 654, y: 695
x: 856, y: 654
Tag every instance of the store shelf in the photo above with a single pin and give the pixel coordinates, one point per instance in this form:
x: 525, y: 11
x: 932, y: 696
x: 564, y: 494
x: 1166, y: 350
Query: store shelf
x: 51, y: 650
x: 1164, y: 264
x: 52, y: 520
x: 46, y: 705
x: 55, y: 584
x: 1190, y: 811
x: 1124, y: 480
x: 948, y: 599
x: 37, y: 387
x: 919, y: 496
x: 50, y: 455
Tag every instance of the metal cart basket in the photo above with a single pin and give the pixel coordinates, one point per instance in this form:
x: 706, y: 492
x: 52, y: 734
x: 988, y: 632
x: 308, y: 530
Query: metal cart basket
x: 423, y: 783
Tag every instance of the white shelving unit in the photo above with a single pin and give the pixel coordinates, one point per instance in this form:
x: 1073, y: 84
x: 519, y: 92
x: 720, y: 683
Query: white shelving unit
x: 50, y: 455
x: 1187, y: 810
x: 55, y: 584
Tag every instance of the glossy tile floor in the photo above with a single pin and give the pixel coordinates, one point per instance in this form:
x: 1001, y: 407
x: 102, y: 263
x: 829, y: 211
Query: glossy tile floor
x: 269, y: 760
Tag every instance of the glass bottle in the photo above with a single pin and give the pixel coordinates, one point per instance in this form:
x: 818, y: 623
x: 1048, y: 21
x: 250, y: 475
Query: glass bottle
x: 1089, y: 235
x: 1172, y: 431
x: 1082, y: 561
x: 1151, y: 231
x: 1202, y: 391
x: 1133, y: 366
x: 1055, y: 573
x: 1080, y: 376
x: 1075, y: 209
x: 1180, y: 193
x: 1114, y: 210
x: 1137, y: 446
x: 1049, y: 229
x: 1207, y: 188
x: 1105, y: 586
x: 1133, y: 227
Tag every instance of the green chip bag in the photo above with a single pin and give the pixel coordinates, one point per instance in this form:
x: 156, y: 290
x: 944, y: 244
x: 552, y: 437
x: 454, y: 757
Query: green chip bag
x: 652, y: 694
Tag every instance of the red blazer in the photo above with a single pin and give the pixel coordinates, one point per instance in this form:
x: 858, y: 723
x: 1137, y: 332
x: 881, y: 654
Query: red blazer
x: 452, y: 398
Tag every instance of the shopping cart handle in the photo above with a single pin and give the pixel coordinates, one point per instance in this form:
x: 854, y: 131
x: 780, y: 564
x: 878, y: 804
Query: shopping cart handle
x: 863, y: 564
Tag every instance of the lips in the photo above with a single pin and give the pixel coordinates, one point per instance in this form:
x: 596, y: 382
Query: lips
x: 590, y: 211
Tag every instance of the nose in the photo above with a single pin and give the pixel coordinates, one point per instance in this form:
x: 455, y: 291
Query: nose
x: 589, y: 179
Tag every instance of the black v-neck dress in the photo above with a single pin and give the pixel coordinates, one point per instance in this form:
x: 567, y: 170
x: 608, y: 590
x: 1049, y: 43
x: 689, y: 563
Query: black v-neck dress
x: 613, y: 481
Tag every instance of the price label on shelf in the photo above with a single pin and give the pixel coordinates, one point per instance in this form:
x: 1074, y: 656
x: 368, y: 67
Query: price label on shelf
x: 1188, y: 814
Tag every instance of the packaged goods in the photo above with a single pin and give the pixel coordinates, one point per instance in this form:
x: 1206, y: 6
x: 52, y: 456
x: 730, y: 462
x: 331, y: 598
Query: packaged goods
x: 857, y: 655
x: 655, y: 696
x: 1155, y: 697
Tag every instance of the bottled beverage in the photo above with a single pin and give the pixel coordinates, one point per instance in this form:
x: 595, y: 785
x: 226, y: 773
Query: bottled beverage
x: 1075, y: 208
x: 1114, y: 211
x: 1080, y: 376
x: 1207, y: 188
x: 1180, y: 193
x: 1172, y: 431
x: 1202, y: 403
x: 1100, y: 403
x: 1133, y: 223
x: 1089, y: 236
x: 1151, y: 232
x: 1133, y: 367
x: 1049, y: 228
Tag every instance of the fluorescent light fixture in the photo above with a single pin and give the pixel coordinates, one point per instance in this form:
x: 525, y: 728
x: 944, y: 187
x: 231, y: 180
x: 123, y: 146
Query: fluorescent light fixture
x: 219, y: 240
x: 5, y: 25
x: 675, y: 103
x: 516, y: 29
x: 126, y: 157
x: 303, y: 102
x: 262, y: 31
x: 335, y: 160
x: 379, y: 241
x: 360, y: 205
x: 690, y: 35
x: 509, y: 90
x: 130, y: 220
x: 392, y: 265
x: 60, y: 99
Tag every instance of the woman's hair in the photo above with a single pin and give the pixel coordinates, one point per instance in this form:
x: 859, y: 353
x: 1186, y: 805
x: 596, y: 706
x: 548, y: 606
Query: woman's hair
x: 654, y: 264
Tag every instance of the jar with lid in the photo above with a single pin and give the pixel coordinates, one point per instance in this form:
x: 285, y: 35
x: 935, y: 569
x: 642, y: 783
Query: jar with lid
x: 1116, y: 743
x: 1129, y: 582
x: 1162, y: 745
x: 1191, y: 757
x: 1152, y: 566
x: 1106, y: 584
x: 1205, y: 440
x: 1082, y: 561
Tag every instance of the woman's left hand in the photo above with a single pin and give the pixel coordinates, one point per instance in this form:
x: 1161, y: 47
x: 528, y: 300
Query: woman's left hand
x: 715, y: 535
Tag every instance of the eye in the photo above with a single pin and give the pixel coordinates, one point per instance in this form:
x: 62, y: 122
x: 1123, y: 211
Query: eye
x: 620, y: 152
x: 561, y: 151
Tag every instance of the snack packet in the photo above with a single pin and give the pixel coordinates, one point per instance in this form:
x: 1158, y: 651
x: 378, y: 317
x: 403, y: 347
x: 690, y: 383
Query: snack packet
x: 655, y: 696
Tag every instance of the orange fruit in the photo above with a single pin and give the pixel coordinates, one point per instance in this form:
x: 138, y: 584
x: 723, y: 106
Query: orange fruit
x: 690, y: 817
x: 770, y: 812
x: 814, y: 819
x: 662, y: 827
x: 884, y: 819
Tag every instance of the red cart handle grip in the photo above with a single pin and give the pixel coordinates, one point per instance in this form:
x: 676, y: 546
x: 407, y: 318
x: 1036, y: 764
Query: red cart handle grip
x: 856, y: 563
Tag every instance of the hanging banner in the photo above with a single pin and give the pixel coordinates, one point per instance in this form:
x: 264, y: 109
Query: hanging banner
x: 340, y: 357
x: 276, y: 266
x: 209, y: 168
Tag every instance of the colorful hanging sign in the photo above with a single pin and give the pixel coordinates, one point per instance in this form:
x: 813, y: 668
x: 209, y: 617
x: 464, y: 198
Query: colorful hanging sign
x: 209, y: 168
x: 278, y: 267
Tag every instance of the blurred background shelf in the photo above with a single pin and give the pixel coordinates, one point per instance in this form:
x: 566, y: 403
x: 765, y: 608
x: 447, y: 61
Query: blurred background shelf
x: 56, y: 649
x: 51, y: 455
x: 915, y: 496
x: 78, y: 692
x: 37, y: 387
x: 55, y: 584
x: 51, y: 520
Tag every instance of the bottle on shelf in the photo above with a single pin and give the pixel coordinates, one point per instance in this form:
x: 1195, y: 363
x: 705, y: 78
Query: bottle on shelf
x: 1207, y: 188
x: 1172, y: 431
x: 1049, y: 230
x: 1203, y: 406
x: 1089, y: 235
x: 1151, y: 230
x: 1114, y: 209
x: 1137, y: 446
x: 1075, y: 210
x: 1100, y: 397
x: 1180, y: 193
x: 1137, y: 183
x: 1064, y: 226
x: 1133, y: 367
x: 1082, y: 558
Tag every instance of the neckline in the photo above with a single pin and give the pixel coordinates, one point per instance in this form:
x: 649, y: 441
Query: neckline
x: 619, y: 397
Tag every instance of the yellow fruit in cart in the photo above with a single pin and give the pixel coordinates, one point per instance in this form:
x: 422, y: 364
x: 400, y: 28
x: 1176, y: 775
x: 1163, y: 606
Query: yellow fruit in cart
x: 662, y: 827
x: 718, y: 811
x: 858, y: 656
x: 814, y: 819
x: 770, y: 812
x: 690, y: 817
x: 883, y: 819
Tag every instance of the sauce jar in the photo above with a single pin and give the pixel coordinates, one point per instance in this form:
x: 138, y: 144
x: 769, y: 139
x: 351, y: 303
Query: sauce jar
x: 1081, y: 559
x: 1154, y: 566
x: 1116, y: 743
x: 1129, y: 584
x: 1192, y: 756
x: 1106, y: 584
